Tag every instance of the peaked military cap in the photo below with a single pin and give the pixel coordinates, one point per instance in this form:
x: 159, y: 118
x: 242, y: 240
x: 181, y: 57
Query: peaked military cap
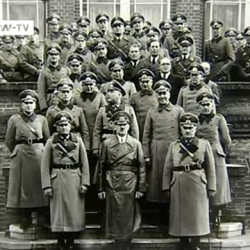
x: 231, y: 32
x: 75, y: 58
x: 88, y: 77
x: 137, y: 17
x: 65, y: 84
x: 204, y: 97
x: 65, y: 28
x: 179, y: 18
x: 8, y: 38
x: 95, y: 33
x: 100, y: 43
x: 216, y: 23
x: 152, y: 31
x: 115, y: 85
x: 196, y: 68
x: 63, y: 117
x: 83, y: 20
x: 144, y: 74
x: 121, y: 118
x: 116, y: 64
x: 53, y: 19
x: 117, y: 20
x: 162, y: 85
x: 28, y: 95
x: 80, y: 35
x: 246, y: 31
x: 101, y: 17
x: 188, y: 119
x: 239, y: 36
x: 54, y: 48
x: 165, y: 24
x: 185, y: 40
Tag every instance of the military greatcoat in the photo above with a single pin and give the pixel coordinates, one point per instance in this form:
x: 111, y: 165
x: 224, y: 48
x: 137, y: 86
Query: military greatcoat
x: 25, y: 188
x: 161, y: 128
x: 189, y: 203
x: 214, y: 129
x: 121, y: 173
x: 67, y: 207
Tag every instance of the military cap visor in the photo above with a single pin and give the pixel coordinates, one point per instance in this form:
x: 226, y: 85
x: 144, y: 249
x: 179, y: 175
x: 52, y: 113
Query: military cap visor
x: 28, y: 95
x: 116, y: 64
x: 179, y: 18
x: 137, y: 17
x: 80, y: 36
x: 196, y: 69
x: 8, y: 38
x: 62, y: 117
x: 100, y: 45
x: 54, y: 18
x: 73, y: 58
x: 65, y: 84
x: 83, y: 21
x: 240, y: 36
x: 162, y: 85
x: 115, y: 85
x: 144, y: 74
x: 87, y: 76
x: 117, y: 20
x: 216, y: 23
x: 102, y: 17
x: 246, y: 31
x: 54, y: 48
x: 185, y: 41
x: 121, y: 118
x: 231, y: 32
x: 204, y: 97
x: 188, y: 119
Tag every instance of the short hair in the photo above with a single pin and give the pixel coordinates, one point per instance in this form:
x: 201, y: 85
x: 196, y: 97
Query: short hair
x: 135, y: 45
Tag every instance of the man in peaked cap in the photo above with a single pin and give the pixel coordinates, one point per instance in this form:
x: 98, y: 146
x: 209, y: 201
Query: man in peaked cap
x: 83, y: 24
x: 116, y: 68
x: 167, y: 40
x: 121, y: 213
x: 100, y: 65
x: 113, y: 92
x: 102, y: 21
x: 94, y: 35
x: 243, y: 58
x: 65, y: 158
x: 231, y: 33
x: 161, y: 128
x: 189, y: 168
x: 49, y: 77
x: 185, y: 59
x: 240, y: 40
x: 188, y: 94
x: 25, y: 137
x: 118, y: 45
x: 79, y: 125
x: 144, y: 99
x: 219, y: 53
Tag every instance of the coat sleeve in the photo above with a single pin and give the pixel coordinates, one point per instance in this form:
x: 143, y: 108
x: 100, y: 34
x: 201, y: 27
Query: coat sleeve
x: 50, y: 119
x: 230, y: 57
x: 45, y: 129
x: 132, y: 89
x: 84, y: 130
x: 25, y: 64
x: 225, y: 138
x: 210, y: 168
x: 103, y: 101
x: 147, y: 133
x: 180, y: 98
x: 85, y: 180
x: 97, y: 130
x: 142, y: 187
x: 134, y: 128
x: 45, y: 165
x: 167, y: 173
x: 41, y: 88
x: 10, y: 141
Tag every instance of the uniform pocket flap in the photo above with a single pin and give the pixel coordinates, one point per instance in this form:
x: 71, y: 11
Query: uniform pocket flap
x: 53, y: 176
x: 14, y: 152
x: 172, y: 180
x: 220, y: 152
x: 203, y: 178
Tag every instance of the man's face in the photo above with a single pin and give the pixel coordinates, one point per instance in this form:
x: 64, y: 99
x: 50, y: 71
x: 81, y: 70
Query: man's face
x: 113, y: 96
x: 185, y: 49
x: 188, y: 132
x: 20, y: 41
x: 54, y: 27
x: 241, y: 42
x: 80, y: 43
x: 206, y: 68
x: 118, y: 29
x: 232, y: 38
x: 8, y: 45
x: 89, y: 88
x: 83, y: 28
x: 28, y: 106
x: 216, y: 31
x: 63, y: 128
x: 146, y: 84
x: 247, y: 36
x: 166, y: 31
x: 179, y: 26
x: 138, y: 25
x: 165, y: 65
x: 154, y: 48
x: 206, y: 108
x: 152, y: 36
x: 64, y: 95
x: 134, y: 53
x: 121, y: 129
x: 195, y: 78
x: 53, y: 57
x: 103, y: 25
x: 65, y: 37
x: 163, y: 96
x: 76, y: 68
x: 101, y: 52
x: 117, y: 74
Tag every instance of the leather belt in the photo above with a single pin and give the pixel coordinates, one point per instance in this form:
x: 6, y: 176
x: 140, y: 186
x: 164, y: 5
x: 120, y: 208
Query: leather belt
x: 30, y: 141
x: 187, y: 168
x: 123, y: 168
x: 66, y: 166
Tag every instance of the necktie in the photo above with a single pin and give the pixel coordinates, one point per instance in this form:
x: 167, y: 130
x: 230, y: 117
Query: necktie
x: 154, y: 60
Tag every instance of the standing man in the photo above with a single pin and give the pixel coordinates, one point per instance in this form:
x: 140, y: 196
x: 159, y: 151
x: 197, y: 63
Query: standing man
x: 144, y: 99
x: 65, y: 178
x: 189, y: 179
x: 49, y: 77
x: 26, y: 135
x: 219, y: 53
x: 78, y: 124
x: 121, y: 181
x: 83, y: 24
x: 102, y: 21
x: 161, y: 128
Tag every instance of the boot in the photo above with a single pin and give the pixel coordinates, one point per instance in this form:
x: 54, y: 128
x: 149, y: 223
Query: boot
x: 184, y: 243
x: 61, y: 244
x: 194, y: 243
x: 70, y: 244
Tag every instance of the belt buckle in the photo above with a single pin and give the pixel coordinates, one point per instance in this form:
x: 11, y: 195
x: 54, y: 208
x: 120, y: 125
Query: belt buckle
x: 29, y: 141
x: 186, y: 168
x: 67, y: 165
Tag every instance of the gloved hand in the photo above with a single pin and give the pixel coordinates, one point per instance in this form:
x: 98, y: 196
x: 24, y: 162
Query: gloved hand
x: 83, y: 190
x: 102, y: 195
x: 211, y: 193
x: 138, y: 195
x: 48, y: 192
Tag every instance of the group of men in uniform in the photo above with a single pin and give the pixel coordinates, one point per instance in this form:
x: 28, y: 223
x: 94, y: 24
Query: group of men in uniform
x: 135, y: 114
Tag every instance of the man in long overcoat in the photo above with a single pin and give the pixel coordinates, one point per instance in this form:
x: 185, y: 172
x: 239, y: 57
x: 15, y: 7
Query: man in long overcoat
x: 189, y: 178
x: 121, y: 180
x: 65, y: 177
x: 25, y: 137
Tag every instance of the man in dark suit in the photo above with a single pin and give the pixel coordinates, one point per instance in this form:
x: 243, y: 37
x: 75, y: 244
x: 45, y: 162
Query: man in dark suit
x: 164, y: 73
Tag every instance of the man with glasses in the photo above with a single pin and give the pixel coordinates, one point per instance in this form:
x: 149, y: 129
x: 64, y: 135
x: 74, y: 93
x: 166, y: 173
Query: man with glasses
x: 219, y: 53
x: 185, y: 59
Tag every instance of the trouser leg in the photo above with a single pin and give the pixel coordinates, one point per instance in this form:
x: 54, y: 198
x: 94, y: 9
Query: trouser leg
x: 195, y: 243
x: 60, y: 241
x: 184, y: 243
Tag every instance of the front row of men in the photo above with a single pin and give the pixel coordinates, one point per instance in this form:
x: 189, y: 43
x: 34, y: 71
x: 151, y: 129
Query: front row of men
x: 171, y: 163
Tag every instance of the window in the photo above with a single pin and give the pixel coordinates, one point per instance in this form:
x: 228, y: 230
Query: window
x: 155, y: 12
x: 233, y: 13
x: 24, y: 10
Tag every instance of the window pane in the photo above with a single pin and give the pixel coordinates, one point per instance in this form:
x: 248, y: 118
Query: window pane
x: 151, y: 13
x: 94, y: 9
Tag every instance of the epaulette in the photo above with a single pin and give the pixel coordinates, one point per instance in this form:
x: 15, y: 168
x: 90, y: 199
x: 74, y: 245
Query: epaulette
x: 126, y: 38
x: 176, y: 59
